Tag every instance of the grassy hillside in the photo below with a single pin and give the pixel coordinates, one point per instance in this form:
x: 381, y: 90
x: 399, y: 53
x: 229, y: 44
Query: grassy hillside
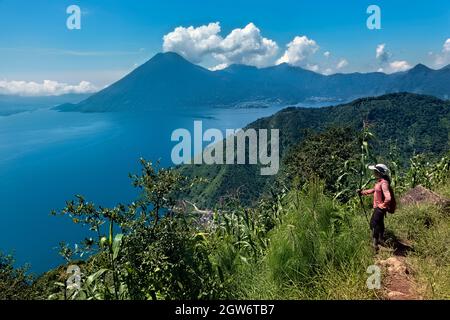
x: 426, y: 228
x: 306, y: 260
x: 403, y: 123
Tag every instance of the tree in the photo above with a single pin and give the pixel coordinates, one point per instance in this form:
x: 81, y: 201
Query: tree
x: 15, y: 283
x: 323, y: 156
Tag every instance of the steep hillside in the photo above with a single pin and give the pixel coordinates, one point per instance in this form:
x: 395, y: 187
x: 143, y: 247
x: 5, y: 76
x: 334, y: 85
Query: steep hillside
x: 412, y: 123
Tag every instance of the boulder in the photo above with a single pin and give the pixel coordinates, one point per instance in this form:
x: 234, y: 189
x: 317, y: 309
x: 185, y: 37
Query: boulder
x: 422, y: 195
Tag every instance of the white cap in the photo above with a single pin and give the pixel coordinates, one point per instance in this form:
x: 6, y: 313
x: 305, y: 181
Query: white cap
x: 381, y: 168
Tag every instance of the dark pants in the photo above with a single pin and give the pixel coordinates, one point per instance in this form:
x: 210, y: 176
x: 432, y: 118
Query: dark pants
x: 377, y: 224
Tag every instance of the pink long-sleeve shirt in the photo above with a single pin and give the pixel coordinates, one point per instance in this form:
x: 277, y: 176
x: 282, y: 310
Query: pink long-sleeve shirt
x: 381, y: 194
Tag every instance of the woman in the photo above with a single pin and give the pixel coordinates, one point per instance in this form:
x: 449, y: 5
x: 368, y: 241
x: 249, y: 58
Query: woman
x: 381, y: 201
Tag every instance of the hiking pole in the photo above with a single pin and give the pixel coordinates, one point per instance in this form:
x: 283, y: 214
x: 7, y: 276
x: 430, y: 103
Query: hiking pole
x: 364, y: 208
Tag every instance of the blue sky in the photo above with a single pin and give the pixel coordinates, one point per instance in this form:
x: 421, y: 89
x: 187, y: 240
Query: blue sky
x: 116, y: 36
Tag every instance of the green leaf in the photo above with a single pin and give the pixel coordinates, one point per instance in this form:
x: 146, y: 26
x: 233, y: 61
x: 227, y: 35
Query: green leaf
x: 116, y: 245
x: 244, y: 259
x: 95, y: 276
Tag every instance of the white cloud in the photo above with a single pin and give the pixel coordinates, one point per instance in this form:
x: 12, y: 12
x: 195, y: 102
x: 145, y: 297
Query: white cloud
x: 219, y: 67
x: 386, y: 65
x: 247, y: 46
x: 342, y: 64
x: 46, y: 88
x: 243, y: 46
x: 328, y: 71
x: 446, y: 47
x: 382, y: 54
x: 299, y: 51
x: 312, y: 67
x: 193, y: 43
x: 396, y: 66
x: 204, y: 45
x: 443, y: 58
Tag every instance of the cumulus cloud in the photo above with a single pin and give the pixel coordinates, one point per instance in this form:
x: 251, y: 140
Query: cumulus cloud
x: 242, y: 45
x: 328, y: 71
x: 46, y: 88
x: 443, y: 58
x: 247, y: 46
x: 193, y: 43
x: 205, y: 45
x: 383, y: 57
x: 312, y: 67
x: 396, y: 66
x: 299, y: 51
x: 342, y: 64
x: 219, y: 67
x: 446, y: 47
x: 382, y: 54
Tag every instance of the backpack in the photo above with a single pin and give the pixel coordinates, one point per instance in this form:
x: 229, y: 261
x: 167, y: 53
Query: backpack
x: 393, y: 204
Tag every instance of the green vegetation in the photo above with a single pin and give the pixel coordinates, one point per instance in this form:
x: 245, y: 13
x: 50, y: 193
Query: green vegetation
x: 298, y: 244
x: 428, y: 228
x: 404, y: 125
x: 318, y: 252
x: 14, y: 282
x: 307, y: 238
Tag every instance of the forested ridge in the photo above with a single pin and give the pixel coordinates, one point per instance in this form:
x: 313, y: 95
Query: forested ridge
x: 404, y: 124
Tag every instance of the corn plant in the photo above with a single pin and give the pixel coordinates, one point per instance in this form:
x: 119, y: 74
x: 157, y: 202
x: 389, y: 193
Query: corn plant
x: 354, y: 173
x: 426, y: 173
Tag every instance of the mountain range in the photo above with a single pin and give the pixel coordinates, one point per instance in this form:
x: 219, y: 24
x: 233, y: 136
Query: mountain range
x: 169, y: 80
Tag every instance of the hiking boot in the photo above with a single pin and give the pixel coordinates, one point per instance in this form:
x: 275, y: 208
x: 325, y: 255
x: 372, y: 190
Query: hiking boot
x: 375, y: 245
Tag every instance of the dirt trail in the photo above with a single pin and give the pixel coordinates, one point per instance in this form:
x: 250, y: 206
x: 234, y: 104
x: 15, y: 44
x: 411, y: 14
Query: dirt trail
x: 398, y: 282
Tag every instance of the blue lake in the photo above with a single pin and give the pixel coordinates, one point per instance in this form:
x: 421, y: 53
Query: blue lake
x: 47, y: 157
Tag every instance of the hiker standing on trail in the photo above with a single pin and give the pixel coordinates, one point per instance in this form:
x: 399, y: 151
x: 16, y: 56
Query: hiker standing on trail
x: 383, y: 201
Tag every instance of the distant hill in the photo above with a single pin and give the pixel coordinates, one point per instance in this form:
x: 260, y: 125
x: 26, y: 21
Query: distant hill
x: 11, y: 104
x: 168, y: 80
x: 413, y: 123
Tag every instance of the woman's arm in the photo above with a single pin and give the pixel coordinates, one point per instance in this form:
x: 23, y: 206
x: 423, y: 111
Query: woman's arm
x: 368, y: 191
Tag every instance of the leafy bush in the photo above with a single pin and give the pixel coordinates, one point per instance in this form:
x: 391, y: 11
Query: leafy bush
x: 15, y: 283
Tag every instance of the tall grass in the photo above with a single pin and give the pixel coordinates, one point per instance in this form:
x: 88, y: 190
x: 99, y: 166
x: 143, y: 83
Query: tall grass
x: 320, y: 251
x: 427, y: 228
